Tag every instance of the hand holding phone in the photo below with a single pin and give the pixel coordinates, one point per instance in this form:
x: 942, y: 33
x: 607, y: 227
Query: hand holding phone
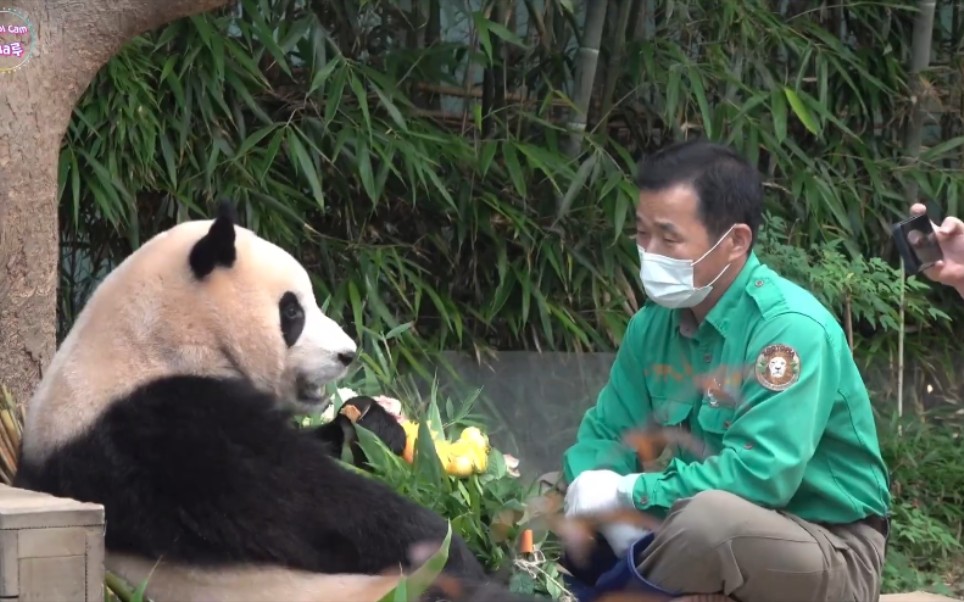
x: 917, y: 244
x: 949, y: 267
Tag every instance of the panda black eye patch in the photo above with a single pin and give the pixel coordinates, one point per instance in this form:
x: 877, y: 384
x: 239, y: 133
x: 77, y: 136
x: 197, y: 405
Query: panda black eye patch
x: 292, y: 318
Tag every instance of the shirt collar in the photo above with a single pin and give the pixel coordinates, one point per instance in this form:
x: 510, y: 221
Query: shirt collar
x: 719, y: 316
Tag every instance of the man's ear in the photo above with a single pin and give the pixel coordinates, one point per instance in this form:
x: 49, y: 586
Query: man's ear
x: 741, y: 238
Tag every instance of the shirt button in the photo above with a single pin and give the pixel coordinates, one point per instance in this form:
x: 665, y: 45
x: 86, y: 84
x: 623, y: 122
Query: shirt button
x: 644, y: 500
x: 748, y: 446
x: 707, y: 358
x: 759, y: 283
x: 726, y: 424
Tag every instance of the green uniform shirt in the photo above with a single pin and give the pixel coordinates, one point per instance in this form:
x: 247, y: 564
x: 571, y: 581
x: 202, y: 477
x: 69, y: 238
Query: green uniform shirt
x: 787, y: 423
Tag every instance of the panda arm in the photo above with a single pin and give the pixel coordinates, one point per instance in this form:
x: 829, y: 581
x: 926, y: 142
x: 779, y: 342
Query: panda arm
x: 371, y: 415
x: 204, y: 471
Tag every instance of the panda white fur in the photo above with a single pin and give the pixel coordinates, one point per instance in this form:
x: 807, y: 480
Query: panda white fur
x: 168, y: 402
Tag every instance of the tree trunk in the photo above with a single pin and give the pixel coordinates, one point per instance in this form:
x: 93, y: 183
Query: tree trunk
x: 70, y: 42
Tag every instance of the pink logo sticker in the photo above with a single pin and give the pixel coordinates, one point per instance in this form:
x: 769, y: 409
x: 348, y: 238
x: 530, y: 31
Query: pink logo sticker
x: 17, y: 38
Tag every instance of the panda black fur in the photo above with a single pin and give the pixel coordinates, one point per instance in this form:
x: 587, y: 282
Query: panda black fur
x: 181, y: 434
x: 340, y: 433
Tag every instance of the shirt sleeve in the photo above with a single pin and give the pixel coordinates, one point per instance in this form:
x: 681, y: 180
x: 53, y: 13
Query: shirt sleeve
x: 775, y: 428
x: 622, y: 404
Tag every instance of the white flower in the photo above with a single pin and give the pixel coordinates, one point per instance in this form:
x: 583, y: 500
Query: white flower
x: 511, y: 464
x: 344, y: 394
x: 392, y: 406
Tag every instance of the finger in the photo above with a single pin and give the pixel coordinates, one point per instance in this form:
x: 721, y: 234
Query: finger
x: 934, y: 271
x: 952, y: 227
x: 920, y: 209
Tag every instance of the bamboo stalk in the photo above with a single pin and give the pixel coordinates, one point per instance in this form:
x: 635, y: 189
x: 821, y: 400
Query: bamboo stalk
x: 616, y: 53
x: 900, y: 351
x: 919, y: 60
x: 639, y: 35
x: 433, y: 36
x: 494, y: 79
x: 585, y: 74
x: 536, y: 20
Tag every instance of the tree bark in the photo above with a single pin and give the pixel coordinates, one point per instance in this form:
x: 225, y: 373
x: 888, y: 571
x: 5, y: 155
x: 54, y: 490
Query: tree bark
x: 73, y: 39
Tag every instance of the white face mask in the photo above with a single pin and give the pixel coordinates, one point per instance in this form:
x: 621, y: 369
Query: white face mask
x: 669, y: 282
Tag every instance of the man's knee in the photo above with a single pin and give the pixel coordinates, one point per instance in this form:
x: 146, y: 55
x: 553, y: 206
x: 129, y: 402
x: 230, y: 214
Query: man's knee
x: 707, y: 520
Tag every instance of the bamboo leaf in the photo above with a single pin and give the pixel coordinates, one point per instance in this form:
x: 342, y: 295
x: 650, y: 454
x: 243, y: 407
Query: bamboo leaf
x: 307, y: 166
x: 801, y: 111
x: 778, y: 111
x: 514, y: 168
x: 576, y: 186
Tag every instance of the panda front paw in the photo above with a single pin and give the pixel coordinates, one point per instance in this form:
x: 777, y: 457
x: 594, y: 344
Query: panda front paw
x: 362, y: 410
x: 365, y: 411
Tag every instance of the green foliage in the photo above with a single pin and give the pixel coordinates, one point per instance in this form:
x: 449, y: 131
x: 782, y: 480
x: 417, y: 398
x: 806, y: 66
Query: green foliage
x: 926, y: 461
x: 486, y: 510
x: 118, y: 590
x: 475, y: 226
x: 867, y: 289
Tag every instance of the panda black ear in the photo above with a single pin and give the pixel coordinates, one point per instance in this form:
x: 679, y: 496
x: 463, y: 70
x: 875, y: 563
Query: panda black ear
x: 217, y: 246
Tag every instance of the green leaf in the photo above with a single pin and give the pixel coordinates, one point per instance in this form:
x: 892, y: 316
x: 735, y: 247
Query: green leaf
x: 778, y: 112
x: 937, y: 152
x: 411, y: 587
x: 427, y: 465
x: 365, y: 170
x: 514, y: 168
x: 392, y: 110
x: 696, y: 87
x: 577, y: 185
x: 489, y: 147
x: 321, y: 76
x: 303, y: 160
x: 435, y: 418
x: 801, y: 111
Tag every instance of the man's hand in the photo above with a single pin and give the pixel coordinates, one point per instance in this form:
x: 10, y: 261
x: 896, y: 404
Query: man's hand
x: 601, y: 491
x: 950, y: 236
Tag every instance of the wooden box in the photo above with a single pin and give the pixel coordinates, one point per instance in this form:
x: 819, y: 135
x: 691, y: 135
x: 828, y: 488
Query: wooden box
x: 51, y: 548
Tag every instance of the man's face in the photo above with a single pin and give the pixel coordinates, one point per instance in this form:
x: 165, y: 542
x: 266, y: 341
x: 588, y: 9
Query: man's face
x: 668, y: 223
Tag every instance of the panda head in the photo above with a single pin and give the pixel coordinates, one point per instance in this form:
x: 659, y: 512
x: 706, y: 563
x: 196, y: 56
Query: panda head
x: 204, y: 298
x: 255, y: 304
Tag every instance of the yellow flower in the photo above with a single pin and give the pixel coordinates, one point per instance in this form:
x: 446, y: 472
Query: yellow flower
x: 476, y: 436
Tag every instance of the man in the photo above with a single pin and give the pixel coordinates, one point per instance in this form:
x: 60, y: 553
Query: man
x: 950, y: 236
x: 788, y: 500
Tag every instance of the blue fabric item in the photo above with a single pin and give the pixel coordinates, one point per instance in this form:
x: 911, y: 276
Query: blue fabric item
x: 620, y: 577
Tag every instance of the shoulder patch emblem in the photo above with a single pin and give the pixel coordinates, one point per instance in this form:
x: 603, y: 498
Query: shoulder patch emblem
x: 777, y: 367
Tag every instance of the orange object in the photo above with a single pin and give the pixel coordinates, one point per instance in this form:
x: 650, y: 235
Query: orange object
x: 409, y: 453
x: 525, y: 546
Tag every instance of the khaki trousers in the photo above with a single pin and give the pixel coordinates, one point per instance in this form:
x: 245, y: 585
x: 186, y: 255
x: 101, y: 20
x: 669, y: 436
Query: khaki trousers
x: 716, y: 542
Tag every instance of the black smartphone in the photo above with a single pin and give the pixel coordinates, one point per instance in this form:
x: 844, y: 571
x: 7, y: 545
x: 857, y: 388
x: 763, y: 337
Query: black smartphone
x: 916, y: 244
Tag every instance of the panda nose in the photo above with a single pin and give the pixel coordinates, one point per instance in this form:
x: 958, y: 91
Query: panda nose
x: 346, y: 357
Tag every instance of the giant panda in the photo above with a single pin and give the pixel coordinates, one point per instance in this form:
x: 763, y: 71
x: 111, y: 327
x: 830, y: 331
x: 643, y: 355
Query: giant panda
x: 170, y: 402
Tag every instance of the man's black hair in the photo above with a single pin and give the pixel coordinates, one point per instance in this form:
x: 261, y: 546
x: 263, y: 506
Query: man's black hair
x: 728, y: 188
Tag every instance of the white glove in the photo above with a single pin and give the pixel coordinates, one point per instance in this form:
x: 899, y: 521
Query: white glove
x: 601, y: 491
